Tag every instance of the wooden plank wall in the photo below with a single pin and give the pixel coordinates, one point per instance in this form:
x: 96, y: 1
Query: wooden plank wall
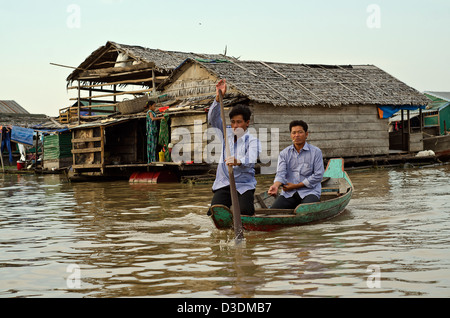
x: 347, y: 131
x: 186, y: 135
x: 87, y: 148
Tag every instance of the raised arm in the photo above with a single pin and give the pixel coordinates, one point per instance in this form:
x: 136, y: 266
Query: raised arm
x: 214, y: 117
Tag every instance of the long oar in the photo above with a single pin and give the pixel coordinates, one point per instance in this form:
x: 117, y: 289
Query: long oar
x: 237, y: 222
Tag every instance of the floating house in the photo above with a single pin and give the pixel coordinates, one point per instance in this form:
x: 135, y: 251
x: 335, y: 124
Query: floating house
x: 107, y: 118
x: 116, y: 73
x: 13, y: 114
x: 431, y: 124
x: 344, y: 105
x: 437, y: 117
x: 25, y: 132
x: 437, y: 114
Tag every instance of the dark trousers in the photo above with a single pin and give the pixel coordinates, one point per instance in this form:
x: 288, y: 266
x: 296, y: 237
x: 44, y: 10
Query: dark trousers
x: 290, y: 203
x: 6, y: 142
x: 246, y: 199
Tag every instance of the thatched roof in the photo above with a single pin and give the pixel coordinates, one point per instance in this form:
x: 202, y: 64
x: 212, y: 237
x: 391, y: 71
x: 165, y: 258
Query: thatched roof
x: 164, y: 61
x: 283, y: 84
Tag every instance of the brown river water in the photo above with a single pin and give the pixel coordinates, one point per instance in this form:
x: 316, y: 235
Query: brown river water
x: 114, y: 239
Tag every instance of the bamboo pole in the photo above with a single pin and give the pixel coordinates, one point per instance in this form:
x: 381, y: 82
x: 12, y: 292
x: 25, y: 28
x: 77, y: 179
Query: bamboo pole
x: 66, y: 66
x: 124, y: 82
x: 116, y: 94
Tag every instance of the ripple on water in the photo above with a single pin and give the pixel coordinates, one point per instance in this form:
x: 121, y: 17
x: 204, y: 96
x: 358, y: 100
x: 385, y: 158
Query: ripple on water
x: 155, y: 240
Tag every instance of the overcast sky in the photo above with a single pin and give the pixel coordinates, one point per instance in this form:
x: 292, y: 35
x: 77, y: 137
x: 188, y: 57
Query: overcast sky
x: 408, y: 39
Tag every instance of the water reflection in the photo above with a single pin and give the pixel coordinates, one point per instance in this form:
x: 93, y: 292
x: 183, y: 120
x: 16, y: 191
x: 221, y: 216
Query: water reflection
x: 155, y: 240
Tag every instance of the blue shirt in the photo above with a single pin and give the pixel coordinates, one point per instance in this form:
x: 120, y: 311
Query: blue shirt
x: 246, y: 149
x: 306, y: 167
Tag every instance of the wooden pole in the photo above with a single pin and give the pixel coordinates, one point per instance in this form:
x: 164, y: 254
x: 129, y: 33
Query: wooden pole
x: 1, y: 152
x: 421, y: 120
x: 153, y: 82
x: 79, y: 102
x: 403, y: 132
x: 237, y: 222
x: 90, y: 102
x: 36, y: 154
x: 409, y: 129
x: 115, y: 97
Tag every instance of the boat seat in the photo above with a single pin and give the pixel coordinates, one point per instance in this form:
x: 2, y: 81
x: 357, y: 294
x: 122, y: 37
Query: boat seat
x: 330, y: 190
x: 277, y: 212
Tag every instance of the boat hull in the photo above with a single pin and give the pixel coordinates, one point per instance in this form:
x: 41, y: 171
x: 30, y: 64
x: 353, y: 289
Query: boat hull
x: 304, y: 214
x: 440, y: 145
x: 269, y: 220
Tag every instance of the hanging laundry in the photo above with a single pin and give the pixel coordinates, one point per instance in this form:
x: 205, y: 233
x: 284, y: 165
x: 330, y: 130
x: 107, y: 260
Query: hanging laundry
x: 23, y: 152
x: 152, y: 137
x: 6, y: 141
x: 164, y: 137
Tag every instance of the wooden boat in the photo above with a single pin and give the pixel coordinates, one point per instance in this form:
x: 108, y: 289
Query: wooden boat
x: 440, y: 145
x: 337, y: 190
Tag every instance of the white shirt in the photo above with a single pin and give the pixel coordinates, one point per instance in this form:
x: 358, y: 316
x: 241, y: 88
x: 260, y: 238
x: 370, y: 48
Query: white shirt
x: 246, y: 149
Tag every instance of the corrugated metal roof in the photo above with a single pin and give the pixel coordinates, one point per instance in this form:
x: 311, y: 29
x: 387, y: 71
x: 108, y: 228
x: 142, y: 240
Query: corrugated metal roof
x: 441, y: 95
x: 11, y: 107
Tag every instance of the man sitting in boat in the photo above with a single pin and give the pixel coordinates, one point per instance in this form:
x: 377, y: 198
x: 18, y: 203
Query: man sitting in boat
x: 299, y: 171
x: 244, y: 150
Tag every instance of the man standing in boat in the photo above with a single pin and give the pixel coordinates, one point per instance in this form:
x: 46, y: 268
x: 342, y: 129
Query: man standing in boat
x: 299, y: 171
x: 244, y: 151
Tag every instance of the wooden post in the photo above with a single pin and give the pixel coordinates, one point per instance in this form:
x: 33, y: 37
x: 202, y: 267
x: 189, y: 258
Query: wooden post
x: 115, y: 97
x: 421, y: 119
x: 90, y: 101
x: 1, y: 152
x: 79, y: 102
x: 102, y: 146
x: 153, y: 82
x: 36, y: 150
x: 237, y: 222
x: 403, y: 131
x: 409, y: 130
x: 73, y: 148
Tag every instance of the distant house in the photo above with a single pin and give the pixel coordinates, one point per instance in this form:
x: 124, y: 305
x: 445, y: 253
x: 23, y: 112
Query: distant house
x: 437, y: 122
x: 24, y: 127
x: 11, y: 107
x: 429, y: 126
x: 12, y: 114
x: 17, y: 120
x: 341, y: 103
x: 437, y: 113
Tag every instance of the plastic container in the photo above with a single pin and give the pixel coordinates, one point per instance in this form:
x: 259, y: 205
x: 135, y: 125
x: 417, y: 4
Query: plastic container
x: 20, y: 165
x: 161, y: 156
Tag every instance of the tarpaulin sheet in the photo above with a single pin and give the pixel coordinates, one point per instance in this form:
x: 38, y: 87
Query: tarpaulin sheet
x: 22, y: 135
x: 388, y: 111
